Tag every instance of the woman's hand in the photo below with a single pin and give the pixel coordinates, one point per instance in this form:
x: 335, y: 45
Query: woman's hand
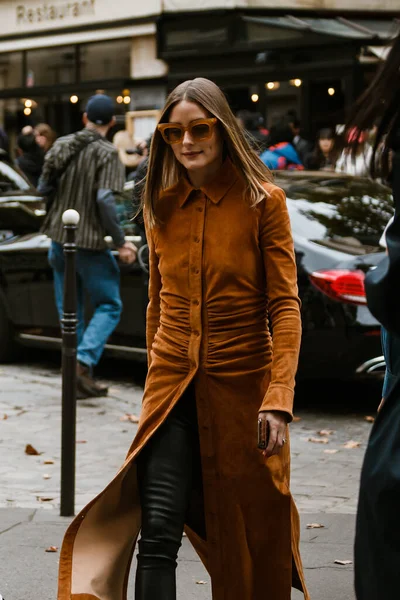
x: 277, y: 424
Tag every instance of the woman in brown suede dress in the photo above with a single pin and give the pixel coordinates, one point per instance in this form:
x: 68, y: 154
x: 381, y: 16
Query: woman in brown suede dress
x: 222, y: 282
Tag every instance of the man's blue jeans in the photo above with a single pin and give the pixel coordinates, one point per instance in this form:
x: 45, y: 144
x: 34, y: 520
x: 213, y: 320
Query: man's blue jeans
x: 97, y: 275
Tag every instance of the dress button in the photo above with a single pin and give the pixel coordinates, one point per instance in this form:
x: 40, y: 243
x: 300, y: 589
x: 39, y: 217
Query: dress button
x: 199, y: 209
x: 196, y: 239
x: 196, y: 333
x: 196, y: 302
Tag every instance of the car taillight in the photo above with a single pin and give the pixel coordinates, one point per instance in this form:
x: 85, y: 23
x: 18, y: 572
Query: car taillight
x: 341, y: 285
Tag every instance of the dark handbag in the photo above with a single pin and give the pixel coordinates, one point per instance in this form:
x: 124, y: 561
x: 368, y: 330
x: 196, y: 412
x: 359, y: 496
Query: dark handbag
x: 49, y: 187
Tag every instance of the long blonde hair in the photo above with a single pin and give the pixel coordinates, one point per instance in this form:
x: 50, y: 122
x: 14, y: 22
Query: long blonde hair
x: 163, y: 168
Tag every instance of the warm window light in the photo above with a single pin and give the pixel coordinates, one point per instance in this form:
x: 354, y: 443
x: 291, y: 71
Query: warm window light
x: 296, y: 82
x: 127, y: 100
x: 126, y: 92
x: 331, y: 91
x: 27, y: 111
x: 273, y: 85
x: 74, y: 99
x: 254, y: 98
x: 28, y: 103
x: 120, y: 99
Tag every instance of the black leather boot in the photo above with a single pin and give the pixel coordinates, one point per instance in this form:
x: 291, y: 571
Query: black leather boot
x: 156, y: 572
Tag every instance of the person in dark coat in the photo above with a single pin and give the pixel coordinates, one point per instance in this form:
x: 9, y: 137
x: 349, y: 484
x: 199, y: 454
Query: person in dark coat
x: 30, y: 157
x: 4, y: 141
x: 303, y: 147
x: 377, y: 544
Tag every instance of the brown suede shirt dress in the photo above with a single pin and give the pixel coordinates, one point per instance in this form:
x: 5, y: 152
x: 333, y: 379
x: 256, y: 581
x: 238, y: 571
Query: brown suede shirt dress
x: 224, y: 313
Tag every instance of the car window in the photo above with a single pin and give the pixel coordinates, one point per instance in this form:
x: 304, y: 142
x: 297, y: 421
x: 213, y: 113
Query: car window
x: 345, y: 214
x: 11, y: 180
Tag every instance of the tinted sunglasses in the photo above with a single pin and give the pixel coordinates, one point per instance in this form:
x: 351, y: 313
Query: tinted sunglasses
x: 199, y: 130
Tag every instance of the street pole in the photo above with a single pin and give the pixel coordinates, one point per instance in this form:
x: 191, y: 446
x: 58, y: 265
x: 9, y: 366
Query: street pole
x: 69, y: 323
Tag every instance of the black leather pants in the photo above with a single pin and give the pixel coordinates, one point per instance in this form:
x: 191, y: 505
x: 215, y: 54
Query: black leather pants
x: 167, y: 468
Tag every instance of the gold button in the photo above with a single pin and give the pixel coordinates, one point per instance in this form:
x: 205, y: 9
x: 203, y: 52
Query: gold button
x: 197, y: 239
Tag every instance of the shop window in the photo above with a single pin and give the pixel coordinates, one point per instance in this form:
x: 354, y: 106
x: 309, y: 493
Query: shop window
x: 11, y: 70
x: 51, y: 67
x: 105, y: 60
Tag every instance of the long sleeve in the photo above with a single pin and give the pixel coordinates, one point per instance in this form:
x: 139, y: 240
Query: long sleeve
x: 153, y: 308
x: 109, y: 216
x: 283, y: 302
x: 48, y: 167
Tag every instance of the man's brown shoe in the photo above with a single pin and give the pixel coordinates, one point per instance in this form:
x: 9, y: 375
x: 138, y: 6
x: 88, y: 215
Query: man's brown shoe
x: 87, y: 387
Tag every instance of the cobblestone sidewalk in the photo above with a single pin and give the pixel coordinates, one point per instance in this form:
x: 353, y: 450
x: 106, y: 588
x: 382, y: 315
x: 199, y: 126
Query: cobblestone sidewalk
x: 324, y: 475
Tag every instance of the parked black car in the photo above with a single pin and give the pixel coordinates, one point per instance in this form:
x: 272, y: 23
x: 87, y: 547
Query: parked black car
x: 337, y: 221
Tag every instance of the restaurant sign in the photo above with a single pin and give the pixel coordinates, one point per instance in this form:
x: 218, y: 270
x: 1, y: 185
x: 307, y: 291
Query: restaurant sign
x: 33, y: 16
x: 54, y: 12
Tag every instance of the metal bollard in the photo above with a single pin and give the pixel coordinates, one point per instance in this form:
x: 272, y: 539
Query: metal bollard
x: 69, y: 343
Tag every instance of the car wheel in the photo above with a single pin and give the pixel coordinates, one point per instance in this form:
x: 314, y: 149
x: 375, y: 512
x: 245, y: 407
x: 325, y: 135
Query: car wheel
x: 9, y: 348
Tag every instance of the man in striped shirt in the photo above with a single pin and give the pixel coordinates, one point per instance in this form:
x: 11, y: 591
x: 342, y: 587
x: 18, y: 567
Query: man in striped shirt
x: 83, y: 171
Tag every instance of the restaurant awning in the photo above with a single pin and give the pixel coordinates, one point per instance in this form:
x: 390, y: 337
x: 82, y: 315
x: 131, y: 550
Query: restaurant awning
x: 336, y: 27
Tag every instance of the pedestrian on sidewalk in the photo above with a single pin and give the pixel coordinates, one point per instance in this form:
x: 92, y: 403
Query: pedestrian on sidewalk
x: 390, y: 346
x: 222, y: 268
x: 45, y: 136
x: 82, y: 171
x: 30, y: 157
x: 377, y: 544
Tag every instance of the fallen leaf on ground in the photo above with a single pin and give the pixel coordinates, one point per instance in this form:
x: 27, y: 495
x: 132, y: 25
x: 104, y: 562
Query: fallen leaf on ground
x: 322, y: 440
x: 81, y: 441
x: 51, y: 549
x: 48, y: 462
x: 31, y: 450
x: 201, y: 582
x: 325, y: 432
x: 343, y: 562
x: 130, y: 418
x: 352, y: 444
x: 331, y: 451
x: 296, y: 419
x: 21, y: 412
x: 4, y: 417
x: 315, y: 526
x: 44, y: 499
x: 370, y: 419
x: 46, y: 476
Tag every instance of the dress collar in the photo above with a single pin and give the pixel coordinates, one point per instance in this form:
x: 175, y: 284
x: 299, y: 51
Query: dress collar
x: 215, y: 190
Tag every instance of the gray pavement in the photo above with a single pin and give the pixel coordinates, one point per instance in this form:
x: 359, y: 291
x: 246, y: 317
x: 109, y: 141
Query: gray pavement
x: 324, y: 484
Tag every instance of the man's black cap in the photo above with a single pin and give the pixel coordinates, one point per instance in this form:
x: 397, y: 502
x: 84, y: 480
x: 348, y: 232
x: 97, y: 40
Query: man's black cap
x: 100, y: 109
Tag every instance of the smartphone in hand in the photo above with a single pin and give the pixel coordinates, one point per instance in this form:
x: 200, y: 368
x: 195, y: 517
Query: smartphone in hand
x: 263, y: 434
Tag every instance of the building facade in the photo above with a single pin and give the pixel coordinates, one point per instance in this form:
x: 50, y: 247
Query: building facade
x: 309, y: 57
x: 53, y: 56
x: 312, y: 57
